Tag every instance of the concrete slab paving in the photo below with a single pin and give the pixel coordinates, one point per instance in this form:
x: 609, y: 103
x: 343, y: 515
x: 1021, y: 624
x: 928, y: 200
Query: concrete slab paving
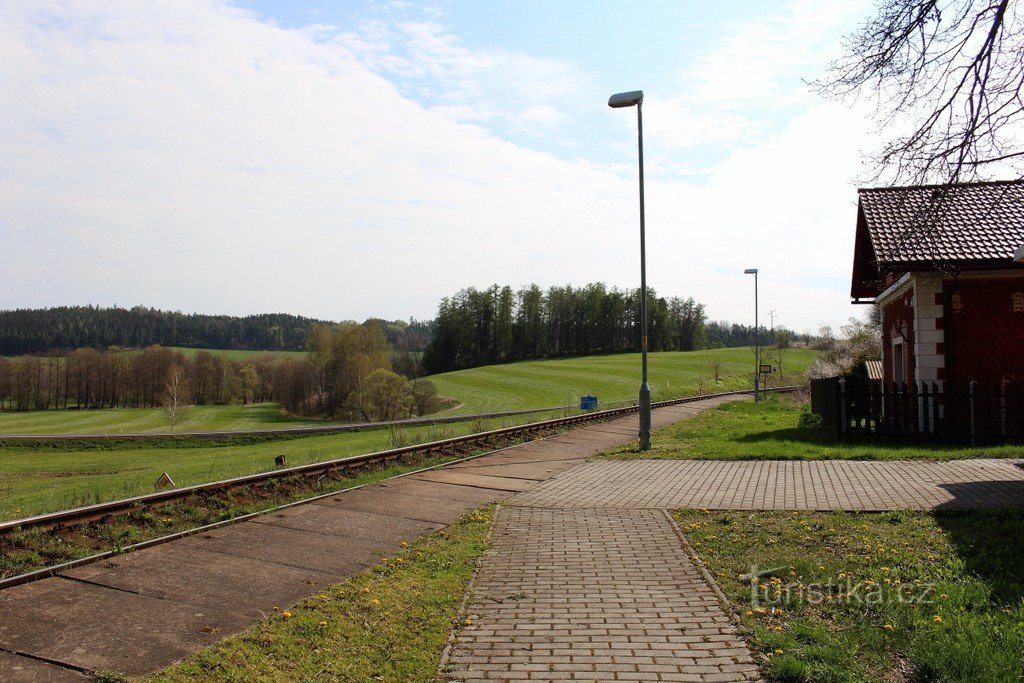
x: 464, y: 478
x: 385, y: 531
x: 97, y: 628
x: 14, y: 667
x: 416, y: 486
x: 206, y: 579
x: 290, y: 547
x: 411, y: 507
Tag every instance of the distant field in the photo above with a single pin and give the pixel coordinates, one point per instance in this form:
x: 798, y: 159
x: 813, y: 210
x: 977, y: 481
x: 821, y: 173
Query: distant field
x: 495, y: 388
x: 535, y: 384
x: 149, y: 420
x: 34, y: 481
x: 234, y: 354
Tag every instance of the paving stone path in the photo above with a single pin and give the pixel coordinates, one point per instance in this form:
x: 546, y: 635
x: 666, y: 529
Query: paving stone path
x: 784, y: 485
x: 594, y: 595
x: 588, y: 578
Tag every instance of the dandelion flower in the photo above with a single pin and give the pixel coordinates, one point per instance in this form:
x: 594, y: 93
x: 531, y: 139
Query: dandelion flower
x: 937, y: 619
x: 366, y: 589
x: 943, y: 597
x: 779, y: 651
x: 286, y: 614
x: 405, y: 544
x: 750, y: 613
x: 322, y: 624
x: 888, y: 627
x: 468, y: 622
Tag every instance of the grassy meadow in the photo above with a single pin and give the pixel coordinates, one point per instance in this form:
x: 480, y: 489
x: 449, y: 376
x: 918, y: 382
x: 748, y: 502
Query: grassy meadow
x: 115, y: 421
x: 35, y: 480
x: 771, y: 430
x: 893, y: 596
x: 541, y: 383
x: 494, y: 388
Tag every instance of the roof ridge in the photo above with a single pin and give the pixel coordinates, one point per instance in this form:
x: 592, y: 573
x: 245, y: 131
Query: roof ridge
x: 977, y: 183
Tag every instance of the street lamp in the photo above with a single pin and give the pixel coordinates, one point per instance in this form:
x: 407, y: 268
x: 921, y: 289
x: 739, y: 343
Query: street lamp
x: 619, y: 100
x: 757, y: 340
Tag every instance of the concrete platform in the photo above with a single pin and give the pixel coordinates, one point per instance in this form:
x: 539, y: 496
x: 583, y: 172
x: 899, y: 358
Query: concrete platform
x: 15, y: 667
x: 101, y: 628
x: 212, y: 580
x: 141, y: 612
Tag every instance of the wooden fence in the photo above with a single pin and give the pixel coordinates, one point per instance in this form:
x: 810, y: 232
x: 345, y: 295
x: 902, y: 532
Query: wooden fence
x: 859, y: 410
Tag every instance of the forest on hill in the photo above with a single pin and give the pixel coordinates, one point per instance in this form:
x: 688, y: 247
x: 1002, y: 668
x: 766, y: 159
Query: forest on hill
x: 494, y: 325
x: 40, y: 331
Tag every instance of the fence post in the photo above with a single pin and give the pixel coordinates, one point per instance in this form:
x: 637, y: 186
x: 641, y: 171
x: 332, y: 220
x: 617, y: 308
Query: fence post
x: 973, y: 391
x: 842, y: 406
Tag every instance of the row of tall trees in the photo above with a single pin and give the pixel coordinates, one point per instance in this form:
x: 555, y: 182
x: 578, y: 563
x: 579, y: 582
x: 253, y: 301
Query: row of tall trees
x: 40, y: 331
x: 346, y: 374
x: 69, y: 327
x: 119, y: 378
x: 479, y: 327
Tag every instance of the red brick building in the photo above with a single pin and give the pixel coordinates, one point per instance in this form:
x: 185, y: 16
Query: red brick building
x: 946, y: 265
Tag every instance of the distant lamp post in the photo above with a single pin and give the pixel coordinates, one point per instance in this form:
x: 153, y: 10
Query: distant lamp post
x: 630, y: 99
x: 757, y: 340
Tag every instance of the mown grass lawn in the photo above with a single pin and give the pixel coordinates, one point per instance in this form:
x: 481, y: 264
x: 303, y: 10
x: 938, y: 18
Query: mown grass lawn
x: 896, y: 596
x: 35, y: 479
x: 389, y: 623
x: 536, y: 384
x: 151, y: 420
x: 495, y: 388
x: 770, y: 430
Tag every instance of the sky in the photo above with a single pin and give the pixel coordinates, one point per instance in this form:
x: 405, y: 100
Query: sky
x: 343, y: 160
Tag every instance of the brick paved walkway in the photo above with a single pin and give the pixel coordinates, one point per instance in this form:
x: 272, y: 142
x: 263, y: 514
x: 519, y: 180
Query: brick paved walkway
x: 774, y: 485
x: 594, y: 595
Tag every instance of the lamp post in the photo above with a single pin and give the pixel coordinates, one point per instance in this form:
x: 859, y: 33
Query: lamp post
x: 757, y: 340
x: 619, y: 100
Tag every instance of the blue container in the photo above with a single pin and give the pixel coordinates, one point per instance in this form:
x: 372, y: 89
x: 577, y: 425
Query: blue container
x: 588, y: 402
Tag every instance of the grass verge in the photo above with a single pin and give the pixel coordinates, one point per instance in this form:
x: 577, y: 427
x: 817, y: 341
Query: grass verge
x: 895, y: 596
x: 770, y: 430
x: 389, y: 623
x: 34, y: 480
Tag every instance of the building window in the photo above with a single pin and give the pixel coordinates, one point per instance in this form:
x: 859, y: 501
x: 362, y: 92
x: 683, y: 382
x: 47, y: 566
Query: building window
x: 897, y: 363
x: 1018, y: 302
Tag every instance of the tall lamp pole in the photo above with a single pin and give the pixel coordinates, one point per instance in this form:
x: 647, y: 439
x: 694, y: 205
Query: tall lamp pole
x: 630, y: 99
x: 757, y: 340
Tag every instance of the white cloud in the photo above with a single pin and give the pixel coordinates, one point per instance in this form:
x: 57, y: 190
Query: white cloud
x: 543, y: 115
x: 189, y: 156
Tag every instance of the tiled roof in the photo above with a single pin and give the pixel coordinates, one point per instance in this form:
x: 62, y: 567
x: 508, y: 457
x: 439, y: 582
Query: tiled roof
x: 968, y: 222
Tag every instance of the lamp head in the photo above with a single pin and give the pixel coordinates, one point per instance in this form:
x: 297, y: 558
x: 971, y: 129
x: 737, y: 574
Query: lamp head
x: 750, y: 271
x: 626, y: 99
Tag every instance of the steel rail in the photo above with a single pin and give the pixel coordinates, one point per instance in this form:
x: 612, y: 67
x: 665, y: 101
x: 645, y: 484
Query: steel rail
x: 114, y: 508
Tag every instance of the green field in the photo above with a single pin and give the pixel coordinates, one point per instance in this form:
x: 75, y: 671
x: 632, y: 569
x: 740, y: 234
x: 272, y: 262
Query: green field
x: 235, y: 354
x: 495, y: 388
x: 36, y: 480
x: 535, y: 384
x: 771, y: 430
x: 150, y: 420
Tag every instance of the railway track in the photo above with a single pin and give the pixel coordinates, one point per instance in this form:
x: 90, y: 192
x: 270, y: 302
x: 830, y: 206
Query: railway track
x: 462, y: 445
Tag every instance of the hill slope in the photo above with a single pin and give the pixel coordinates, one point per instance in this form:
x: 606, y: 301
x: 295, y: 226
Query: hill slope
x: 543, y: 383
